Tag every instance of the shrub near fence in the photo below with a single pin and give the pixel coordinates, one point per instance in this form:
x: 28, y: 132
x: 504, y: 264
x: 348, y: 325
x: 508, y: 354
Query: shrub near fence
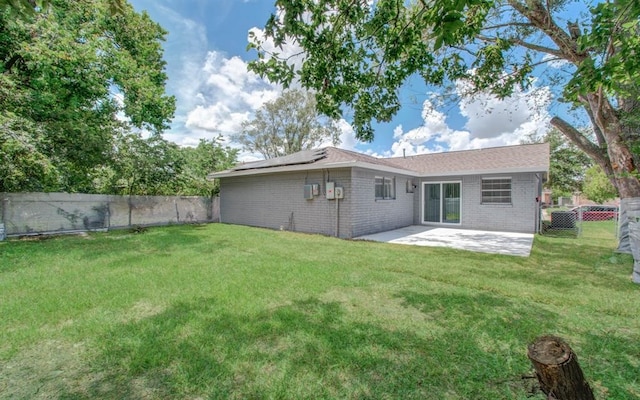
x: 43, y: 213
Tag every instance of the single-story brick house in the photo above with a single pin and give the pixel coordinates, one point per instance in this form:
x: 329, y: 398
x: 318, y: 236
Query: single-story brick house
x: 347, y: 194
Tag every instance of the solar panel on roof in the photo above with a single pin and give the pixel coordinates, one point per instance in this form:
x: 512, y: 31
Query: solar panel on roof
x: 301, y: 157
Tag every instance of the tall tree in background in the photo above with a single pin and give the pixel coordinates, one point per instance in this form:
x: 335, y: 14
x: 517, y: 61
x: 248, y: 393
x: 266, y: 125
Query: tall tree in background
x: 567, y: 164
x: 597, y: 187
x: 156, y: 166
x: 287, y: 125
x: 200, y: 161
x: 67, y: 75
x: 143, y: 166
x: 358, y: 53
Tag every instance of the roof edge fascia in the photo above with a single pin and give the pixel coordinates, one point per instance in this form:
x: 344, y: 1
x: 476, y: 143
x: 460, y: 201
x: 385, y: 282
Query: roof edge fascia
x: 498, y: 171
x: 310, y: 167
x: 370, y: 166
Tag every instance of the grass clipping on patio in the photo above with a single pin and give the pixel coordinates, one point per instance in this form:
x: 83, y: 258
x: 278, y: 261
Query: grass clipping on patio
x: 219, y: 311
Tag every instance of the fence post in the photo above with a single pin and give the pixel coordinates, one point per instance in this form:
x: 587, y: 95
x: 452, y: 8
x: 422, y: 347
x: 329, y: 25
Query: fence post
x: 210, y: 208
x: 634, y: 240
x: 3, y: 216
x: 129, y: 203
x: 557, y: 369
x: 4, y: 205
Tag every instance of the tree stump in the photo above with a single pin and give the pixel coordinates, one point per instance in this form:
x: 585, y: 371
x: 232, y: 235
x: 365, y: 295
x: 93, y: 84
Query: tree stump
x: 558, y: 370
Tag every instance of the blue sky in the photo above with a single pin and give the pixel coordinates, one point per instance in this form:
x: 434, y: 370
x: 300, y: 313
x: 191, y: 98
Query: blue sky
x: 206, y: 63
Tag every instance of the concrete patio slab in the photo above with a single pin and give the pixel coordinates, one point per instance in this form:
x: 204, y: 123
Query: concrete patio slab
x: 509, y: 243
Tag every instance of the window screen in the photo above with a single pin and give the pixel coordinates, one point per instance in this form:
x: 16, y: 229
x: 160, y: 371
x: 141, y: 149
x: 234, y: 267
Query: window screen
x: 385, y: 188
x: 496, y: 191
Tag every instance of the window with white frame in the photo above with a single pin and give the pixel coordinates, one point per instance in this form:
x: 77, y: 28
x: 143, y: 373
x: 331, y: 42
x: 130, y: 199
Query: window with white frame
x: 496, y: 190
x: 385, y: 188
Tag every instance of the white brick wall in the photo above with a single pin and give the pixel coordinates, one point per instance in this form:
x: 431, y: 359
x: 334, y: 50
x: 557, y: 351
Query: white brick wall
x: 519, y: 216
x: 276, y: 201
x: 371, y: 215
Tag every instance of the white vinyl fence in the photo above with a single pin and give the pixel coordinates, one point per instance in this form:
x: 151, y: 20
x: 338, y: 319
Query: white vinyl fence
x: 45, y: 213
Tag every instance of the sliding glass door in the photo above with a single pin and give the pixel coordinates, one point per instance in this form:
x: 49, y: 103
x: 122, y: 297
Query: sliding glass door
x: 432, y: 202
x: 441, y: 202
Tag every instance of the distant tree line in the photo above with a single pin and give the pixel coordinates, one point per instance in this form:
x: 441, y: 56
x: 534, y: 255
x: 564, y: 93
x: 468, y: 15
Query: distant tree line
x: 156, y: 166
x: 286, y: 125
x: 571, y: 170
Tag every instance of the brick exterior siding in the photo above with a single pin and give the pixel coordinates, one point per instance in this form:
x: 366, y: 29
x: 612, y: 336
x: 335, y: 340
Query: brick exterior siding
x: 370, y: 215
x: 519, y: 216
x: 276, y: 201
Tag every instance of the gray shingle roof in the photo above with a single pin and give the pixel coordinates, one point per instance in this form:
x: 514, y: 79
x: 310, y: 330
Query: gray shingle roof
x: 327, y: 155
x: 508, y: 159
x: 530, y: 157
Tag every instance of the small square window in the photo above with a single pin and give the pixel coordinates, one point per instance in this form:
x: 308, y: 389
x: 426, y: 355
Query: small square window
x: 496, y: 191
x: 385, y: 188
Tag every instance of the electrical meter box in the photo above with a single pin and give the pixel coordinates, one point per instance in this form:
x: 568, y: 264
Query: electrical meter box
x: 315, y: 189
x: 331, y: 192
x: 339, y: 192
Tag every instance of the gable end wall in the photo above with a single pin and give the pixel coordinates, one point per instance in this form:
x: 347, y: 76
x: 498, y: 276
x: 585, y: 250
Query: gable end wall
x: 276, y: 201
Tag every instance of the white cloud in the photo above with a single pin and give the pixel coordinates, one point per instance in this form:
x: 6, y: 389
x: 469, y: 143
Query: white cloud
x: 489, y: 117
x: 228, y: 95
x: 348, y: 139
x: 554, y: 62
x: 214, y: 92
x: 256, y: 98
x: 489, y: 122
x: 217, y: 117
x: 185, y: 46
x: 225, y: 93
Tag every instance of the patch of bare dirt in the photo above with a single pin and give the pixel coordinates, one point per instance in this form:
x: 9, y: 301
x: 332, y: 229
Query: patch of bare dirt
x: 46, y: 371
x: 56, y: 369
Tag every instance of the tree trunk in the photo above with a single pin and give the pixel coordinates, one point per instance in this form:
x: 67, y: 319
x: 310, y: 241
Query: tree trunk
x: 614, y: 155
x: 558, y: 370
x: 620, y: 157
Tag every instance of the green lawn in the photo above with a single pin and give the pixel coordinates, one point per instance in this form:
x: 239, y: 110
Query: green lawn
x: 218, y: 311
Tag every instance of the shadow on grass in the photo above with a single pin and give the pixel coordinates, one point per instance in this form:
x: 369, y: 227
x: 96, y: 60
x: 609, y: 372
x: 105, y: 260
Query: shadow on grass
x: 563, y: 264
x: 311, y: 349
x: 162, y: 241
x: 495, y: 317
x: 159, y: 241
x: 618, y: 351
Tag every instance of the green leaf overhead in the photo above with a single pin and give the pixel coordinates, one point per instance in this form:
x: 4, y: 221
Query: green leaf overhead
x: 357, y: 54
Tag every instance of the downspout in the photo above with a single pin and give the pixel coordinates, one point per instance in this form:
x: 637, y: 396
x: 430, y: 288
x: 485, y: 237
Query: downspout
x: 337, y: 217
x: 220, y: 200
x: 538, y: 217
